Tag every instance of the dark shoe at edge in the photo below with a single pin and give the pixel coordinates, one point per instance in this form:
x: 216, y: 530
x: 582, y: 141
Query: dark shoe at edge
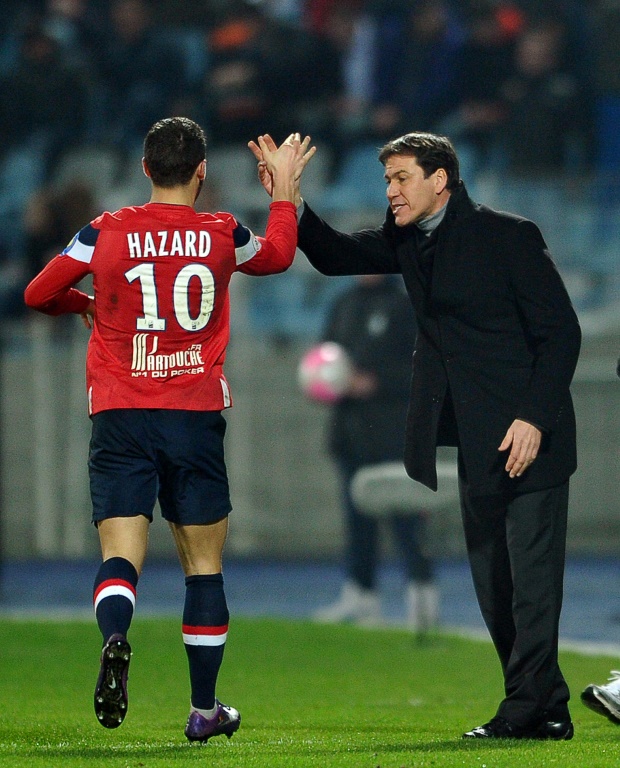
x: 111, y: 689
x: 497, y: 728
x: 555, y: 730
x: 500, y: 728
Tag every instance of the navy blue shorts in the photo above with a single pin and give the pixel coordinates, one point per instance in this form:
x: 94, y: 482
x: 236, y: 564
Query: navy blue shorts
x: 140, y: 455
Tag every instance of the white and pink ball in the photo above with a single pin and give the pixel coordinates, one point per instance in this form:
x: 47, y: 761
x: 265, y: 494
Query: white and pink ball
x: 324, y: 372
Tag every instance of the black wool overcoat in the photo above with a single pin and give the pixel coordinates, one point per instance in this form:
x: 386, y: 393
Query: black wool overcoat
x: 496, y: 329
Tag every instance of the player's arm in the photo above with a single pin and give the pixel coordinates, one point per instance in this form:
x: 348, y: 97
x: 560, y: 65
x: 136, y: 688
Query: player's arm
x: 283, y: 167
x: 52, y: 291
x: 275, y: 251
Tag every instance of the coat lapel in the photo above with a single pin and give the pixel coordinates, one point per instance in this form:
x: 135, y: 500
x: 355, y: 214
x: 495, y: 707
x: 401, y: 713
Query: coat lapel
x: 449, y: 272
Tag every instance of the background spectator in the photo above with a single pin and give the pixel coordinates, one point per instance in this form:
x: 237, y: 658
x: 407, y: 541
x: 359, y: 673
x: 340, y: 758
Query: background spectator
x: 487, y: 61
x: 265, y: 75
x: 546, y: 136
x: 374, y: 322
x: 418, y: 63
x: 141, y: 75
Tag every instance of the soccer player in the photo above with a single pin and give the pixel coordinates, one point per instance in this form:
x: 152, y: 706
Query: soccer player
x: 156, y: 389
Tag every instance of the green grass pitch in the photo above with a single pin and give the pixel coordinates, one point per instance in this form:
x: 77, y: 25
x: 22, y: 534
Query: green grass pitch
x: 309, y: 695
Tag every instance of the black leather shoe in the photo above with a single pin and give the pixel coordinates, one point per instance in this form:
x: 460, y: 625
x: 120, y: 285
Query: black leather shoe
x: 557, y: 730
x: 497, y: 728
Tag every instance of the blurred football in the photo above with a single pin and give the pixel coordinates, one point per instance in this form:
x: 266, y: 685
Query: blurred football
x: 324, y: 372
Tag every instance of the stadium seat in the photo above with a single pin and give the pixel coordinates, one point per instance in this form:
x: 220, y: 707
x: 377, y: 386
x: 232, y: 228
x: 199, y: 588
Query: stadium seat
x: 316, y: 175
x: 232, y: 170
x: 385, y: 489
x: 359, y: 183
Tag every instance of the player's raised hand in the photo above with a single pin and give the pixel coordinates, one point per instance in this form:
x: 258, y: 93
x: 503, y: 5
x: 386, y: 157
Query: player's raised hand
x: 263, y: 174
x: 273, y: 159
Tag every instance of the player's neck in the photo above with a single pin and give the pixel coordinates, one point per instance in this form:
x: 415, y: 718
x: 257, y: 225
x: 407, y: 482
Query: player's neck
x: 183, y: 195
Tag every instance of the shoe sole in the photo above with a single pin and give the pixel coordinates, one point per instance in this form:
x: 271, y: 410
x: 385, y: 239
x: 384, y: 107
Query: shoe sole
x: 110, y: 694
x: 599, y: 705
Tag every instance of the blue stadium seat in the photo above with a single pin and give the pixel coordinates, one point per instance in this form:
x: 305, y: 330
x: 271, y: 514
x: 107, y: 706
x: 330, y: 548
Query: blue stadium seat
x: 359, y: 183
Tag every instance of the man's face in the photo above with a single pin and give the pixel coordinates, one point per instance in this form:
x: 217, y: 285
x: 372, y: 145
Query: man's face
x: 411, y: 196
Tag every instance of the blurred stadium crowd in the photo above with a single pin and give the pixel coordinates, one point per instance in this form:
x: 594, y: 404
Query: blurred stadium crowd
x: 528, y: 90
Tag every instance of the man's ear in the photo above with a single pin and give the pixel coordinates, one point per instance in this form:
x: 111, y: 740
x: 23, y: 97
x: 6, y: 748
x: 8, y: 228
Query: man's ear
x: 145, y: 170
x: 441, y: 180
x: 201, y: 171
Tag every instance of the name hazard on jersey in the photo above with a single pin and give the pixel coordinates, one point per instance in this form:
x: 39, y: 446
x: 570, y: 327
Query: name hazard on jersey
x: 148, y: 363
x: 144, y: 245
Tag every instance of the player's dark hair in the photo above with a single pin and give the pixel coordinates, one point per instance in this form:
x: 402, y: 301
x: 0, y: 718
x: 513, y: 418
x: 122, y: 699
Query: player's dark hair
x: 430, y: 151
x: 173, y: 149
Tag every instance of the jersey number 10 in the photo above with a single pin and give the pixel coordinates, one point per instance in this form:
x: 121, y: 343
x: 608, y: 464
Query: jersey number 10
x: 151, y: 321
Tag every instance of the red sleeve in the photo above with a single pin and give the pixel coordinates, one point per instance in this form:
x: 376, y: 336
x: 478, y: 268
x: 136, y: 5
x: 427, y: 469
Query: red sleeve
x: 52, y: 292
x: 278, y: 246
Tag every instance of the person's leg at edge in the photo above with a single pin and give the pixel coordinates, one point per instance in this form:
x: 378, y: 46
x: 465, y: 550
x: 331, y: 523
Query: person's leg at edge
x: 422, y: 593
x: 489, y: 561
x: 358, y: 601
x: 508, y: 544
x: 536, y: 530
x: 123, y: 548
x: 205, y: 613
x: 123, y: 543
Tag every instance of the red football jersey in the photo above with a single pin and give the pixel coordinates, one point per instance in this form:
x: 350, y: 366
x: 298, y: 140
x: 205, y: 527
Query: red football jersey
x: 161, y: 274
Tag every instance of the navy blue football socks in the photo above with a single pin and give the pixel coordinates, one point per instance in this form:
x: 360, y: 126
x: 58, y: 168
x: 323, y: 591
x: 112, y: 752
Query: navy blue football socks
x: 205, y: 627
x: 114, y: 596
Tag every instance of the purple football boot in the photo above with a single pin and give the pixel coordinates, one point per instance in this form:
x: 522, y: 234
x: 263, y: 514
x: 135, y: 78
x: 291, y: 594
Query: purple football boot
x: 111, y: 689
x: 225, y: 721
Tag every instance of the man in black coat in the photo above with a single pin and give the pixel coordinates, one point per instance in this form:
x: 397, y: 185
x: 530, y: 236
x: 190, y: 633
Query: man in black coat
x: 497, y: 346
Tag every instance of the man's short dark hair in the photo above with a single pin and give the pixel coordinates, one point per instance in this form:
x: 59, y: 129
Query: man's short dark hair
x: 430, y: 151
x: 173, y: 149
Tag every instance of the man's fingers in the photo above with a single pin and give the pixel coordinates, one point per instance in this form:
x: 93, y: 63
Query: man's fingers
x: 307, y: 155
x: 523, y: 439
x: 264, y: 148
x: 269, y: 142
x: 506, y: 442
x: 256, y: 150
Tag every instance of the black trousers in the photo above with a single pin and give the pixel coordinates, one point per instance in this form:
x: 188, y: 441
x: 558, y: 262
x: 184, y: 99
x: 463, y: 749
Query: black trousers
x: 516, y: 546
